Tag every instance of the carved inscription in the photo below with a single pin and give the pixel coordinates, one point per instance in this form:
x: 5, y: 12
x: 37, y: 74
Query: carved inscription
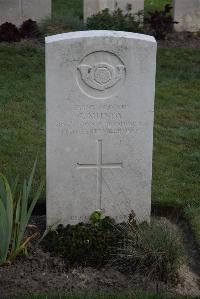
x: 99, y: 119
x: 100, y: 74
x: 100, y: 116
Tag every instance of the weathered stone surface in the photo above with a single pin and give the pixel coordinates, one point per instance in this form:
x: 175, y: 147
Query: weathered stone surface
x: 92, y: 7
x: 17, y: 11
x: 187, y: 13
x: 100, y: 111
x: 36, y: 9
x: 10, y: 11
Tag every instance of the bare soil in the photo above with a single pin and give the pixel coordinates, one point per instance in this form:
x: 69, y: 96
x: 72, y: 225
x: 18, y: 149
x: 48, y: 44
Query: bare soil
x: 41, y: 273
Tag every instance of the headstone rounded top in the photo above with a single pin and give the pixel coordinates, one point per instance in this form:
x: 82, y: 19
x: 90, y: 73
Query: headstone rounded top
x: 100, y: 88
x: 99, y: 33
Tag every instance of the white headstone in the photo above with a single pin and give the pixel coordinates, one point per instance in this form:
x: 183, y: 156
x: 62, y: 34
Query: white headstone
x: 17, y: 11
x: 92, y: 7
x: 100, y: 112
x: 187, y: 14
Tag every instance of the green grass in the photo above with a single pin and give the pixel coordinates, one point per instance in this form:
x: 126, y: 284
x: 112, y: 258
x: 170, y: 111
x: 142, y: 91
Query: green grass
x: 176, y: 172
x: 67, y: 15
x: 156, y: 4
x: 176, y: 175
x: 22, y: 115
x: 63, y: 8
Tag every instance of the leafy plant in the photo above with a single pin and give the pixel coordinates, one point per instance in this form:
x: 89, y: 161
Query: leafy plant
x: 151, y: 250
x: 117, y: 20
x: 96, y: 217
x: 160, y: 23
x: 84, y: 244
x: 9, y: 33
x: 29, y: 29
x: 15, y: 211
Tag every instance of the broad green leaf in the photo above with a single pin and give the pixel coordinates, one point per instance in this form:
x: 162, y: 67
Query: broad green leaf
x: 5, y: 234
x: 15, y: 213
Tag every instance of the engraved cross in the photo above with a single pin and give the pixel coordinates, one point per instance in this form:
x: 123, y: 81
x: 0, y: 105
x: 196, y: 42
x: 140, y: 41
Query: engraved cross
x: 99, y: 166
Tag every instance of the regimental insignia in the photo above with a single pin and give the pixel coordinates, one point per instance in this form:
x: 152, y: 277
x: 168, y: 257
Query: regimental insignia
x: 101, y: 76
